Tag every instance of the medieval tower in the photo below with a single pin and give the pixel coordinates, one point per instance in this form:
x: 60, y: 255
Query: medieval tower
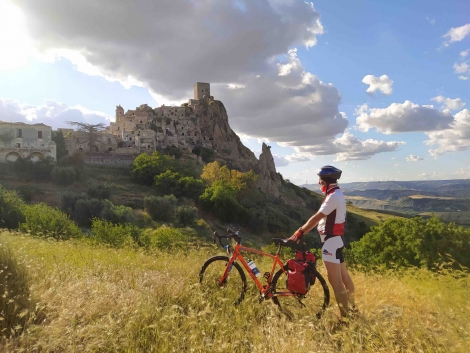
x: 202, y: 89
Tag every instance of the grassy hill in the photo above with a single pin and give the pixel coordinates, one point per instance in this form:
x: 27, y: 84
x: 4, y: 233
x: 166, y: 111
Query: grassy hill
x: 96, y: 299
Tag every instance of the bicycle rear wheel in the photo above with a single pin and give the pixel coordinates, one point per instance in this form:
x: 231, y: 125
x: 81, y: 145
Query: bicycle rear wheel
x: 233, y: 287
x: 313, y: 303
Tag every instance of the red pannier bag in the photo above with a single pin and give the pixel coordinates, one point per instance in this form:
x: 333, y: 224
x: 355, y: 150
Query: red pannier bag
x: 298, y: 277
x: 305, y: 256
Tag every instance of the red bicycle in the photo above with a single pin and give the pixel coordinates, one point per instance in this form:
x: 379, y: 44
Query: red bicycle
x: 225, y: 274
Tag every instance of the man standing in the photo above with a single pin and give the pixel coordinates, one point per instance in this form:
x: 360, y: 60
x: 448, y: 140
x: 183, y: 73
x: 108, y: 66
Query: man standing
x: 331, y: 218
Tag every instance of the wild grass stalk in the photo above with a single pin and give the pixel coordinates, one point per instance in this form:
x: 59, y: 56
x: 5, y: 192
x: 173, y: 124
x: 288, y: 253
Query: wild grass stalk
x: 99, y: 299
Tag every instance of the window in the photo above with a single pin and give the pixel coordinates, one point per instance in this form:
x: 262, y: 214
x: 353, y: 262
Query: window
x: 66, y: 152
x: 39, y: 134
x: 18, y: 145
x: 19, y: 133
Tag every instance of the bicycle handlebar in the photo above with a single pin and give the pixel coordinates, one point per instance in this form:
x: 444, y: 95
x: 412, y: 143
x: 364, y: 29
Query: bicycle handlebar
x: 235, y: 236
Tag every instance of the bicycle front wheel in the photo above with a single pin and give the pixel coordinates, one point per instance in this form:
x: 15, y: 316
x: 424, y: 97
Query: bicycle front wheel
x: 313, y: 303
x: 231, y: 289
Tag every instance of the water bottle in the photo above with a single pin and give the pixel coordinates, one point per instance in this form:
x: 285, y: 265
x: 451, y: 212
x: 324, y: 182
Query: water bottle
x: 253, y: 268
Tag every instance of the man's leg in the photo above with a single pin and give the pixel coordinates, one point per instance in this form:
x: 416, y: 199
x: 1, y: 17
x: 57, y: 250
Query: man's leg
x: 349, y: 284
x: 334, y: 272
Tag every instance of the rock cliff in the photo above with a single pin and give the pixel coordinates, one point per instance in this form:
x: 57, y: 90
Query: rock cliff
x: 229, y: 148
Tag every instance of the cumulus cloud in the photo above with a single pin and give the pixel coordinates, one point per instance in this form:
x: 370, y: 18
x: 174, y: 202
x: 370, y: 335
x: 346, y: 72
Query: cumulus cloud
x: 465, y: 53
x: 413, y: 158
x: 293, y: 109
x: 170, y: 45
x: 51, y: 113
x: 382, y: 84
x: 167, y: 46
x: 457, y: 34
x: 405, y: 117
x: 457, y: 138
x: 348, y: 147
x: 447, y: 103
x: 465, y: 78
x: 460, y: 68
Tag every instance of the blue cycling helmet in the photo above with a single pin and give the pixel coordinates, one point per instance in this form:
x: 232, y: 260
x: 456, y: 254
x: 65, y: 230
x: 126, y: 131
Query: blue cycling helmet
x: 328, y: 171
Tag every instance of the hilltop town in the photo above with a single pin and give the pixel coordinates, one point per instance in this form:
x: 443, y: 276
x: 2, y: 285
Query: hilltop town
x: 201, y: 122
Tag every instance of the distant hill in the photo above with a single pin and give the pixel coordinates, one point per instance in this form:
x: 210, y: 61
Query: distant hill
x: 448, y: 198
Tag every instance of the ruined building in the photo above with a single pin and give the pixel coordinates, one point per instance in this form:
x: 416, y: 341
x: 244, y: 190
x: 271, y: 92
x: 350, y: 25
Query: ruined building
x: 20, y: 140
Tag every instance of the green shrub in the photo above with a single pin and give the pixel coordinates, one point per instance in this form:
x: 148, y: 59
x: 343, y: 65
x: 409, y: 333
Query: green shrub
x: 145, y: 167
x: 186, y: 215
x: 160, y: 208
x: 413, y: 242
x: 173, y: 151
x: 11, y: 209
x: 69, y: 199
x: 26, y: 192
x: 116, y: 214
x: 165, y: 239
x: 45, y: 221
x: 15, y: 304
x: 116, y: 235
x: 99, y: 191
x: 63, y: 175
x: 85, y: 210
x: 220, y: 198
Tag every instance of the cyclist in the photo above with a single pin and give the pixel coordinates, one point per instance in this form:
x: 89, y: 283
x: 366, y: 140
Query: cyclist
x: 330, y: 219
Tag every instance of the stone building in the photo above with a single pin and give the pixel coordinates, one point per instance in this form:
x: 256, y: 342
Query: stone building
x: 20, y: 140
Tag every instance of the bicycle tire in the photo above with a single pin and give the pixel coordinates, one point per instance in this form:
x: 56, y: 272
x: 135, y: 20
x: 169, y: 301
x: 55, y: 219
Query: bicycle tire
x: 317, y: 298
x: 234, y: 287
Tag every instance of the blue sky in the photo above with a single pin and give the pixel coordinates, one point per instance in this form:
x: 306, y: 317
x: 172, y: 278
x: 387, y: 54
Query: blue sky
x: 290, y: 74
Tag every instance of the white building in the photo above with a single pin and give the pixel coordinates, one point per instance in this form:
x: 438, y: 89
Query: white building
x: 20, y: 140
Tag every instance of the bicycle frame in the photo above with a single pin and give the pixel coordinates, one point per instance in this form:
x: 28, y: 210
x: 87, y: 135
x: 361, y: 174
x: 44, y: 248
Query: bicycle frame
x: 236, y: 255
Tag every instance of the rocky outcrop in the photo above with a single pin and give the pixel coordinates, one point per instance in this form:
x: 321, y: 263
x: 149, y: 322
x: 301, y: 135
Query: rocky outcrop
x: 224, y: 140
x: 269, y: 181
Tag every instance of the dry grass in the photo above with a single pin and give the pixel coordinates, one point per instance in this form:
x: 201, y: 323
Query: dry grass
x: 104, y: 300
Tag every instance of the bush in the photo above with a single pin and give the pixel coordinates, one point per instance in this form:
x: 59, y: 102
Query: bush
x: 220, y: 199
x: 26, y: 192
x: 99, y: 191
x: 145, y: 167
x: 160, y: 208
x: 85, y: 210
x: 116, y: 214
x: 45, y: 221
x: 412, y: 242
x: 116, y: 235
x: 15, y: 304
x: 11, y: 209
x: 69, y: 199
x: 173, y: 151
x: 165, y: 239
x: 63, y: 175
x: 187, y: 215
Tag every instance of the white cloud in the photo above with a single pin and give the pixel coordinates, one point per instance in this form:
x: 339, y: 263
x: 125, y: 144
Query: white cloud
x: 51, y: 113
x: 413, y: 158
x: 158, y: 43
x: 465, y: 53
x: 382, y: 83
x: 280, y: 161
x: 299, y: 157
x: 402, y: 117
x: 457, y: 34
x: 465, y: 78
x: 293, y: 109
x: 451, y: 140
x: 349, y: 147
x: 461, y: 68
x: 431, y: 20
x: 447, y: 103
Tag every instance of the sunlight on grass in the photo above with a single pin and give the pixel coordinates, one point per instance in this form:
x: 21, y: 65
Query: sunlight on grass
x: 97, y: 299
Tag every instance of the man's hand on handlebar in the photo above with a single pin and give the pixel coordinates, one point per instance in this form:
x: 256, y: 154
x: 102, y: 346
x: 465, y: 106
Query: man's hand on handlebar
x: 296, y: 236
